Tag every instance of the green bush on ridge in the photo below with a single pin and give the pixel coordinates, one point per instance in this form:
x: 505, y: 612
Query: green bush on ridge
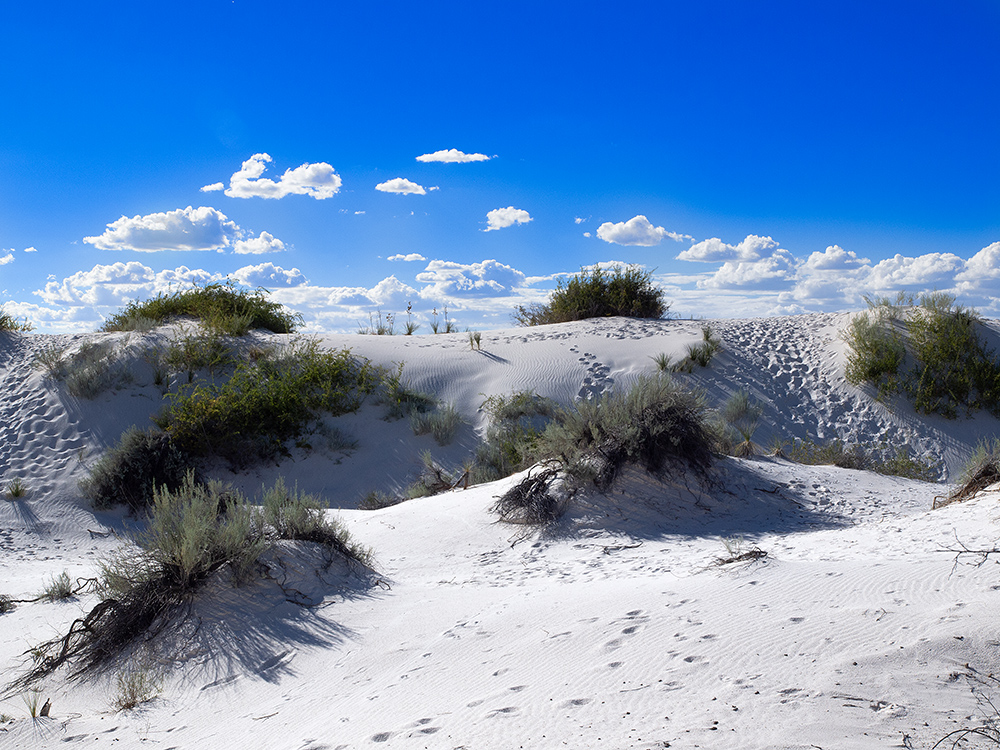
x: 226, y: 308
x: 597, y: 293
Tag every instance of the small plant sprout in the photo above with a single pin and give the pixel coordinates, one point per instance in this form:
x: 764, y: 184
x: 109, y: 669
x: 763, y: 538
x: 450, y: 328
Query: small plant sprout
x: 743, y: 414
x: 33, y: 702
x: 16, y: 489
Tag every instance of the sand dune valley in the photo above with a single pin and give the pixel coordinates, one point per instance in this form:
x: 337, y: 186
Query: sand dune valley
x: 846, y: 617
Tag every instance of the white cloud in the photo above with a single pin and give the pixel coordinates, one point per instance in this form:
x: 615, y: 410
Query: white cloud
x: 715, y: 250
x: 488, y: 278
x: 774, y: 272
x: 269, y: 275
x: 358, y: 213
x: 636, y: 231
x: 409, y: 257
x: 452, y: 155
x: 115, y: 284
x: 188, y: 228
x: 30, y: 250
x: 923, y: 272
x: 265, y: 243
x: 983, y: 265
x: 587, y: 234
x: 578, y: 220
x: 500, y: 218
x: 402, y: 186
x: 212, y: 188
x: 8, y: 258
x: 834, y: 258
x: 318, y: 180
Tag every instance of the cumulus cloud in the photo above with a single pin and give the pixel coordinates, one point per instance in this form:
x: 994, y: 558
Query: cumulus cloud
x: 269, y: 275
x: 488, y: 278
x: 983, y: 265
x: 8, y: 258
x: 115, y: 284
x: 265, y: 243
x: 188, y: 228
x: 409, y: 257
x: 318, y: 180
x: 715, y: 250
x: 452, y: 155
x: 215, y: 186
x: 500, y: 218
x: 401, y: 186
x: 30, y: 250
x: 636, y: 231
x: 922, y: 272
x: 834, y: 258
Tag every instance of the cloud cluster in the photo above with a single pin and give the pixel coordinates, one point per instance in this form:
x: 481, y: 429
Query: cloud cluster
x: 201, y: 228
x: 499, y: 218
x: 318, y: 180
x: 636, y: 231
x: 401, y: 186
x: 269, y: 276
x: 183, y: 229
x: 453, y: 156
x: 409, y: 257
x: 444, y: 279
x: 8, y: 258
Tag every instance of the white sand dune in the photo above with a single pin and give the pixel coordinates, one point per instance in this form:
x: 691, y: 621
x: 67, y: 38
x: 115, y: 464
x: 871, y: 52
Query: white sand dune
x: 613, y: 627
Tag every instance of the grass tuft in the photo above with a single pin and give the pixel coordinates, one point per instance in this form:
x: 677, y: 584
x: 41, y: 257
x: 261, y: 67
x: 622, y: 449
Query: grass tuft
x: 8, y: 323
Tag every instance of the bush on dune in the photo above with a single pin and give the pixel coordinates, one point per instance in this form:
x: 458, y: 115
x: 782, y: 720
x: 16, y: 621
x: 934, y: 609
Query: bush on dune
x: 11, y: 324
x: 657, y: 424
x: 226, y: 308
x: 192, y: 534
x: 597, y: 293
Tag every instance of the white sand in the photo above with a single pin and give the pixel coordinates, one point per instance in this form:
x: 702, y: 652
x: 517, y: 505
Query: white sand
x: 612, y: 628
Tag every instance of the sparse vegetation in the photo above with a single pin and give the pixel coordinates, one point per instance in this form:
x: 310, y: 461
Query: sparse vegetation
x: 980, y: 471
x: 475, y: 340
x: 516, y: 422
x: 11, y: 324
x: 377, y: 499
x: 6, y: 604
x: 441, y: 422
x: 135, y: 686
x: 60, y: 587
x: 881, y: 460
x: 88, y: 371
x: 192, y: 534
x: 951, y: 369
x: 742, y: 415
x: 225, y: 308
x: 597, y: 293
x: 379, y: 325
x: 738, y: 551
x: 16, y: 489
x: 705, y: 350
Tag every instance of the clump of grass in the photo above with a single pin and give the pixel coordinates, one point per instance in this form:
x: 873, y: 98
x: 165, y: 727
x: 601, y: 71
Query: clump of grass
x: 128, y: 473
x: 16, y: 489
x: 981, y: 471
x: 705, y: 350
x: 400, y: 399
x: 737, y: 551
x: 664, y: 362
x: 597, y: 293
x: 267, y: 402
x: 11, y: 324
x: 60, y: 587
x: 135, y: 686
x: 442, y: 423
x: 192, y: 534
x: 226, y: 308
x: 742, y: 414
x: 847, y: 456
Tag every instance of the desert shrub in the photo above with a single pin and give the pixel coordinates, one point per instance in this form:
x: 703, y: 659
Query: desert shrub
x: 191, y: 534
x: 980, y: 471
x: 400, y: 399
x: 60, y: 587
x: 128, y: 473
x: 11, y: 324
x: 656, y: 424
x: 509, y: 446
x: 596, y: 293
x: 881, y: 459
x: 267, y: 402
x: 950, y: 366
x: 200, y: 349
x: 742, y: 415
x: 88, y: 371
x: 377, y: 499
x: 226, y: 308
x: 135, y: 686
x: 442, y: 423
x: 6, y: 604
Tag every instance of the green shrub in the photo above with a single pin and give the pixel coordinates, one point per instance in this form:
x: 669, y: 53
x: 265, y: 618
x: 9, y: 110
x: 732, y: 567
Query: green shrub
x: 702, y: 353
x: 400, y: 399
x: 128, y: 473
x: 198, y: 350
x: 267, y: 402
x: 441, y: 423
x: 951, y: 367
x: 226, y: 308
x: 597, y: 293
x: 15, y: 489
x: 881, y: 460
x: 510, y: 445
x: 88, y: 371
x: 11, y: 324
x: 656, y: 424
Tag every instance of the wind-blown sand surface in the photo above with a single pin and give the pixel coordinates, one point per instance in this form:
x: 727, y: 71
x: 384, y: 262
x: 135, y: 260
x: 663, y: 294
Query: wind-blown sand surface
x: 614, y: 627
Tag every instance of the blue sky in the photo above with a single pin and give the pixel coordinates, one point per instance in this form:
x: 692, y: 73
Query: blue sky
x: 758, y: 158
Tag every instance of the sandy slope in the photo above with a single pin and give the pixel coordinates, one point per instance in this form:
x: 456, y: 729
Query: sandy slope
x: 613, y: 628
